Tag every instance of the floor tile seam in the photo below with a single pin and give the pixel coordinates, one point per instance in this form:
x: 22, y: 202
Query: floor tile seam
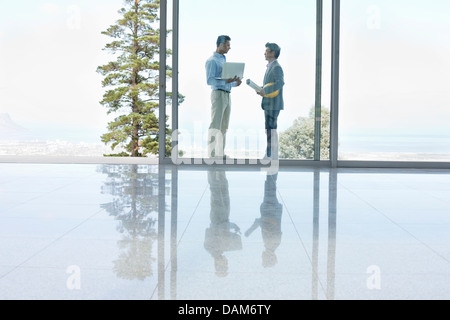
x: 44, y: 218
x: 192, y: 216
x: 26, y: 238
x: 69, y: 238
x: 400, y: 227
x: 41, y: 195
x: 15, y: 178
x: 404, y: 185
x: 302, y: 242
x: 55, y: 268
x: 19, y: 179
x: 180, y: 239
x: 419, y: 223
x: 260, y: 273
x: 432, y: 195
x: 48, y: 245
x: 424, y: 273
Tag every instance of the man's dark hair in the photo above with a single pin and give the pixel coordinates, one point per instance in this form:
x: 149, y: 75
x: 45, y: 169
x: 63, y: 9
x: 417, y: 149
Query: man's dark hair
x: 274, y: 47
x: 222, y: 39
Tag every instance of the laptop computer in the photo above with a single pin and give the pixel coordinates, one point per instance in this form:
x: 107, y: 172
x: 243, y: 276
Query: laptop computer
x: 232, y: 69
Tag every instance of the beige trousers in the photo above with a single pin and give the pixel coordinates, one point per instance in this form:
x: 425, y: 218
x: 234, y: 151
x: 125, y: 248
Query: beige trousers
x: 220, y: 120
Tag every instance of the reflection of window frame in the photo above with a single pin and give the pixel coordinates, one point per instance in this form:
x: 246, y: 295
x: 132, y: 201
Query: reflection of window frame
x: 169, y: 187
x: 334, y: 106
x: 335, y: 117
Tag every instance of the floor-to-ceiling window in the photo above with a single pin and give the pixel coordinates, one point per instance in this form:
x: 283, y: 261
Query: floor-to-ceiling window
x: 50, y: 91
x: 393, y: 95
x: 251, y: 24
x: 395, y: 71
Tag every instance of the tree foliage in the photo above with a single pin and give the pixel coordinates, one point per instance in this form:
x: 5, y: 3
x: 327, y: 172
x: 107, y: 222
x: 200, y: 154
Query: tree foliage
x: 133, y: 80
x: 297, y: 142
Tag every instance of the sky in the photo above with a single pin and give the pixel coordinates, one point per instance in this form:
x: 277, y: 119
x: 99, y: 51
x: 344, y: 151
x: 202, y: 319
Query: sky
x: 395, y: 67
x: 49, y: 53
x: 394, y: 62
x: 250, y: 24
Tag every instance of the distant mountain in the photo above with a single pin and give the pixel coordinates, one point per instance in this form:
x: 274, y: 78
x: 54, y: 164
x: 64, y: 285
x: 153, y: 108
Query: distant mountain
x: 9, y: 130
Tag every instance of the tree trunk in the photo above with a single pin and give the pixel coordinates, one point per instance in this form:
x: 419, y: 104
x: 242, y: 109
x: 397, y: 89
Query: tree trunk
x: 136, y: 124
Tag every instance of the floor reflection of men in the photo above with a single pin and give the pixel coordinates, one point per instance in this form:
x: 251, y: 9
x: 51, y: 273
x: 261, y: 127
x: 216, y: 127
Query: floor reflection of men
x: 222, y: 235
x: 270, y: 222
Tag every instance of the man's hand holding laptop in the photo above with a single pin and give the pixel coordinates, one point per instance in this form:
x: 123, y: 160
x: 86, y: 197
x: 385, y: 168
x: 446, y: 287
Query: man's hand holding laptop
x: 235, y: 79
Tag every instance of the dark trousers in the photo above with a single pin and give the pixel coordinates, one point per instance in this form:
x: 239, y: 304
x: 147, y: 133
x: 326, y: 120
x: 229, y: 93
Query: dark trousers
x: 271, y: 117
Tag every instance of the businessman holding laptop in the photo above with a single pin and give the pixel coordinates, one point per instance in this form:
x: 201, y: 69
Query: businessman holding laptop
x: 220, y: 98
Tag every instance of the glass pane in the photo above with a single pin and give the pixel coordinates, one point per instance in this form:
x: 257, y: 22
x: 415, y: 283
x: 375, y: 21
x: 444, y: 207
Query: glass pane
x: 169, y: 77
x: 50, y: 87
x: 290, y: 24
x: 50, y: 90
x: 394, y: 80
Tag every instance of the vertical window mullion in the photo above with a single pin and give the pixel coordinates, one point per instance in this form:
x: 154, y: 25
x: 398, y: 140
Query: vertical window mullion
x: 334, y: 109
x: 162, y: 80
x: 318, y: 103
x: 175, y: 71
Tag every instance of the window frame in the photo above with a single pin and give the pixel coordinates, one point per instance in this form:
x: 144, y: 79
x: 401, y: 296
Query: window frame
x: 333, y: 162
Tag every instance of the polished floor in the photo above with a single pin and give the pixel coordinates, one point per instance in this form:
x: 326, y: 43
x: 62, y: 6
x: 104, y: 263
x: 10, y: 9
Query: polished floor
x: 222, y: 233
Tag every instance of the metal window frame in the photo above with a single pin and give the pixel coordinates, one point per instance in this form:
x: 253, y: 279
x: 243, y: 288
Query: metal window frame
x: 334, y: 161
x: 162, y: 79
x: 318, y: 102
x: 334, y: 104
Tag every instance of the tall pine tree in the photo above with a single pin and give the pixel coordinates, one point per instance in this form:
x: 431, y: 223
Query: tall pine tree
x: 133, y: 79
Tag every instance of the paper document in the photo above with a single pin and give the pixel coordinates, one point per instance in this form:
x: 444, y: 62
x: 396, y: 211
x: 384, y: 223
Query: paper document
x: 254, y: 85
x: 258, y: 89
